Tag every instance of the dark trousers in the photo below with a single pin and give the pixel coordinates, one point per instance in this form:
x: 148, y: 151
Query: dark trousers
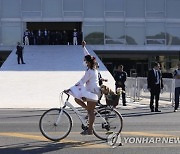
x: 20, y: 58
x: 155, y: 92
x: 177, y: 94
x: 123, y: 94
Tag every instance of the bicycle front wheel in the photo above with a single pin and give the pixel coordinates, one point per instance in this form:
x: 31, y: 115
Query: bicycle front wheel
x: 107, y: 121
x: 52, y: 128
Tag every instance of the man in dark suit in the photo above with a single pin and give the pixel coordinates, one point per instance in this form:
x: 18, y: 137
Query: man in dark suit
x: 155, y: 84
x: 120, y: 77
x: 19, y: 52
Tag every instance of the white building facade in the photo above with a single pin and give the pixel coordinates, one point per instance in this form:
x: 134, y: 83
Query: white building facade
x: 114, y: 28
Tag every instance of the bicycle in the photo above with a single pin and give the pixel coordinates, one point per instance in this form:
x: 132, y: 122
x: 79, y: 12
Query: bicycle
x: 55, y: 124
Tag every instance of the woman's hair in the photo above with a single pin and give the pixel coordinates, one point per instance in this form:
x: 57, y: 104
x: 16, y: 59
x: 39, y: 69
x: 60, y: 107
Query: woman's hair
x: 91, y: 60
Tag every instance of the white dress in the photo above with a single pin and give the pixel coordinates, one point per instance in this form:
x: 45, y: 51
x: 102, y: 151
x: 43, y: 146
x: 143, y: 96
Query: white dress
x: 88, y: 86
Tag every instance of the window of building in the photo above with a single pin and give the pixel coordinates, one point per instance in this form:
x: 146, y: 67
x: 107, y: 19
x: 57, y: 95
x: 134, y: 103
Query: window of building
x: 114, y: 33
x: 155, y: 33
x: 173, y: 10
x: 73, y: 8
x: 69, y: 5
x: 31, y: 8
x: 11, y: 9
x: 0, y: 34
x: 11, y: 33
x: 173, y: 34
x: 94, y: 34
x: 135, y: 8
x: 135, y: 34
x: 52, y: 8
x: 114, y: 8
x: 155, y: 8
x: 94, y: 9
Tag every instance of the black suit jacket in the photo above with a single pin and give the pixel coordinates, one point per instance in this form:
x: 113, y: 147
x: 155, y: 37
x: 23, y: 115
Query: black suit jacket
x: 151, y: 79
x: 120, y: 78
x: 19, y: 50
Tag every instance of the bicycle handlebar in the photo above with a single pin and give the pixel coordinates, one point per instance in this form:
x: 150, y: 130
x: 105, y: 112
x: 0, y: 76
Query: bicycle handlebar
x: 66, y: 92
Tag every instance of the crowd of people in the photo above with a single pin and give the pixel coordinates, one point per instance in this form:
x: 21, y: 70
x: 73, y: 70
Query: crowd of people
x: 52, y: 37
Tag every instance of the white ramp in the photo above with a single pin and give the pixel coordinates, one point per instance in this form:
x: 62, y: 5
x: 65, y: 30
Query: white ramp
x: 48, y: 71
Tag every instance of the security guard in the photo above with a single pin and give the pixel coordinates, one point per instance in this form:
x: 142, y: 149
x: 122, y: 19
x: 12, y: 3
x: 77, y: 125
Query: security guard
x: 120, y: 77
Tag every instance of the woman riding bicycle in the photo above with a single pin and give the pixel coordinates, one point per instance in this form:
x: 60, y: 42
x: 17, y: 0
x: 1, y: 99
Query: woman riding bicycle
x: 87, y: 89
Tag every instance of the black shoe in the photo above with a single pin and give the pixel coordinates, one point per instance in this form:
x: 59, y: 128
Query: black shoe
x: 85, y: 132
x: 124, y: 104
x: 23, y: 63
x: 175, y: 110
x: 152, y: 109
x: 156, y: 110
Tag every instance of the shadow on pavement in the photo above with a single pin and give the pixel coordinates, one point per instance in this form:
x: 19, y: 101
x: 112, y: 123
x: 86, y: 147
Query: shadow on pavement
x: 45, y: 146
x: 147, y: 113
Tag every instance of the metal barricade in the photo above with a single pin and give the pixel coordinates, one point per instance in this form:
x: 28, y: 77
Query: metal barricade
x: 136, y: 89
x: 131, y: 86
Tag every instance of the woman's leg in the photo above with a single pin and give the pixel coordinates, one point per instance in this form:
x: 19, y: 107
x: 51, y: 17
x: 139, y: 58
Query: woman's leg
x: 81, y: 103
x: 90, y: 109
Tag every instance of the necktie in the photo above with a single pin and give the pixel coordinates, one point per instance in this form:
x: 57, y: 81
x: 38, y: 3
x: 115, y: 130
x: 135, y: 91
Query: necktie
x: 157, y: 77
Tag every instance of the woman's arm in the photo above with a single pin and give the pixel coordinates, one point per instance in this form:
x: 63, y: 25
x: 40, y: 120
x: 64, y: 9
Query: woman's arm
x: 84, y: 48
x: 84, y: 79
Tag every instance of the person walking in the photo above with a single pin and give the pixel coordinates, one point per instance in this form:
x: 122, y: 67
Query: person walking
x: 19, y: 52
x: 155, y: 84
x: 120, y: 77
x: 177, y: 87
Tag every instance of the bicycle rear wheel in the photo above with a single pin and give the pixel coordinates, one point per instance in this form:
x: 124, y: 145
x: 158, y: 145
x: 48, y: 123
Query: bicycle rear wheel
x: 107, y: 121
x: 51, y: 129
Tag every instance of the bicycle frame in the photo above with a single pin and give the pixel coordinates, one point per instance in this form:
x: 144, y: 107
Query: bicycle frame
x: 77, y: 112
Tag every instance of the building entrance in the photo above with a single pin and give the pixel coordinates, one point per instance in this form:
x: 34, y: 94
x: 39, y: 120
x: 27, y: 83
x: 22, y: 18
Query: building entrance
x: 53, y: 33
x: 134, y: 63
x: 138, y: 63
